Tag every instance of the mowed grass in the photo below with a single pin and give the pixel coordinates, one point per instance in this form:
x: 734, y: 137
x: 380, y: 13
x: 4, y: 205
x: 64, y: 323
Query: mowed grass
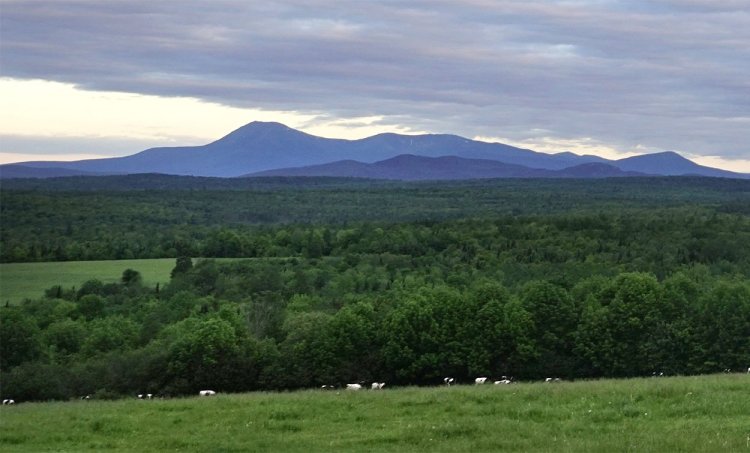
x: 19, y: 281
x: 686, y: 414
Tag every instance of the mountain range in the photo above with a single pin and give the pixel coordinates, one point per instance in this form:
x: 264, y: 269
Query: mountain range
x: 273, y: 149
x: 410, y: 167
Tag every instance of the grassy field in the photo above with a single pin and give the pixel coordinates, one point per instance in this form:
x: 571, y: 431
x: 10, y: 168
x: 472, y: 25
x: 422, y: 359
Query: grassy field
x: 686, y: 414
x: 20, y: 281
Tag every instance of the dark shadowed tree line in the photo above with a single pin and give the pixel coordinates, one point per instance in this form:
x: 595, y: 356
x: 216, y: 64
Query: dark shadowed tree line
x: 63, y: 219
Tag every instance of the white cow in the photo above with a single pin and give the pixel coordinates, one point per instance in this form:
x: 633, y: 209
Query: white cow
x: 378, y: 385
x: 9, y: 401
x: 480, y: 380
x: 353, y: 387
x: 449, y: 381
x: 206, y: 393
x: 503, y: 381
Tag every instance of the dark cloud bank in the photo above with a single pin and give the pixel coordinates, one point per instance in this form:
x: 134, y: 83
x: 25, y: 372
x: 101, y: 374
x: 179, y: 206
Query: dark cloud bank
x: 664, y: 74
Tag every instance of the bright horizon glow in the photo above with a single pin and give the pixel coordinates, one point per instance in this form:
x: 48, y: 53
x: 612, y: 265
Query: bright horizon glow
x: 736, y: 165
x: 34, y: 109
x: 12, y: 158
x: 552, y: 145
x: 52, y: 109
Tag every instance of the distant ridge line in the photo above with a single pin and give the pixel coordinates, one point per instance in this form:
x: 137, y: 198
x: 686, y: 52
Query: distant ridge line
x: 260, y: 147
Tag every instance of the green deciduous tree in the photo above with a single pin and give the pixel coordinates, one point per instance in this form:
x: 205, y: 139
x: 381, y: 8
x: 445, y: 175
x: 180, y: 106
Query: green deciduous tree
x: 555, y: 317
x: 723, y: 328
x: 183, y: 264
x: 19, y: 338
x: 205, y: 355
x: 616, y: 331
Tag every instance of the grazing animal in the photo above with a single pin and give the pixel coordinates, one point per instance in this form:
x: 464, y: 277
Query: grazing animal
x: 87, y: 397
x: 206, y: 393
x: 378, y: 385
x: 149, y: 395
x: 480, y: 380
x: 9, y: 401
x: 353, y: 387
x: 327, y: 387
x: 140, y: 396
x: 549, y: 379
x: 503, y: 381
x: 449, y: 381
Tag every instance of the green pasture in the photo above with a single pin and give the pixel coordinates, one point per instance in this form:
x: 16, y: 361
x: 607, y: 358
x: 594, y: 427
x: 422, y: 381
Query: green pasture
x: 686, y: 414
x: 20, y: 281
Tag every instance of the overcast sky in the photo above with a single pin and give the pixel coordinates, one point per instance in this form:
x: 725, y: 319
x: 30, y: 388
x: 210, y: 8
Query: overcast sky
x: 615, y: 78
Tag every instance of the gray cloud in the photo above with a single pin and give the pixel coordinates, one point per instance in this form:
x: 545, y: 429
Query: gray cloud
x: 664, y: 74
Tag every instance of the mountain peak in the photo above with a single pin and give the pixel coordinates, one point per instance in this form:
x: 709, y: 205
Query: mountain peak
x: 259, y: 131
x: 666, y: 163
x: 262, y: 126
x: 667, y: 155
x: 662, y: 158
x: 267, y: 125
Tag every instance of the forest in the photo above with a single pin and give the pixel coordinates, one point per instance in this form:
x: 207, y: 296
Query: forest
x: 340, y: 281
x: 160, y: 216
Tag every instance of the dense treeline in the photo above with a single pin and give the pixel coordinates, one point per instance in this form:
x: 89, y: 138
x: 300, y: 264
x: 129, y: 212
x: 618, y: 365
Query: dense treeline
x: 294, y: 323
x: 657, y: 241
x: 637, y: 187
x: 407, y: 283
x: 52, y: 224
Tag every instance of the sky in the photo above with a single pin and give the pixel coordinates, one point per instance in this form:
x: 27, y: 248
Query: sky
x: 82, y: 78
